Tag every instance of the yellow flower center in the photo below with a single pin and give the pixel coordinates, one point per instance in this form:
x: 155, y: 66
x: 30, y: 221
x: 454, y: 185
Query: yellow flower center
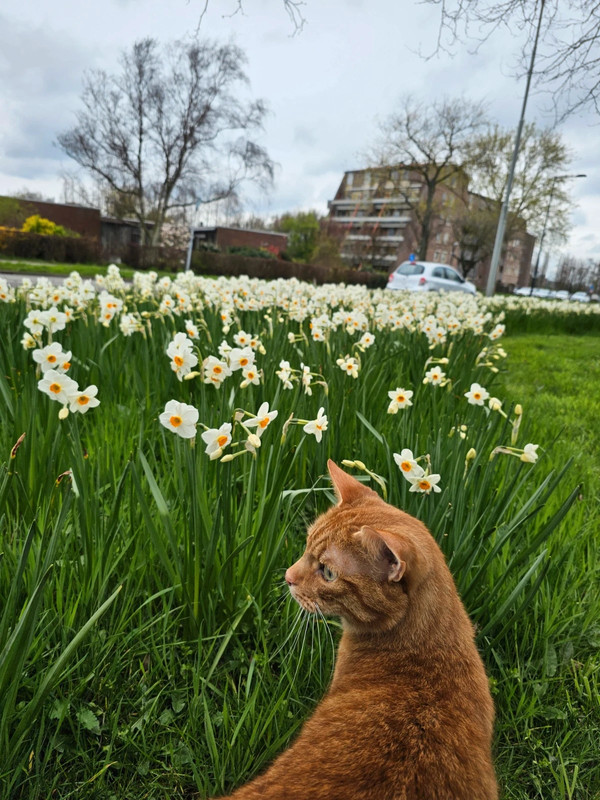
x: 178, y: 360
x: 424, y: 485
x: 83, y: 399
x: 400, y: 398
x: 218, y: 370
x: 66, y: 365
x: 263, y: 422
x: 243, y: 361
x: 406, y: 466
x: 175, y: 421
x: 51, y: 359
x: 222, y: 440
x: 476, y: 395
x: 56, y: 388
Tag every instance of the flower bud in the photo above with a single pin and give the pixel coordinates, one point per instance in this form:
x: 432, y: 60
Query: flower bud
x: 348, y: 463
x: 226, y: 458
x: 254, y: 440
x: 63, y: 413
x: 518, y: 410
x: 471, y: 454
x: 360, y: 465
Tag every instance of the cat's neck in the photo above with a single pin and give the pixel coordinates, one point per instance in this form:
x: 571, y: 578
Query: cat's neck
x: 436, y: 624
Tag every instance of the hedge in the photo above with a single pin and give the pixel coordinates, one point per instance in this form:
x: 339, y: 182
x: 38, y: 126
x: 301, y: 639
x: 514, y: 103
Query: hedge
x: 66, y: 249
x: 230, y: 264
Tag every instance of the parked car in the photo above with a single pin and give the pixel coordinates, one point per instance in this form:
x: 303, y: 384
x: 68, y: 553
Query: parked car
x: 428, y: 276
x: 580, y: 297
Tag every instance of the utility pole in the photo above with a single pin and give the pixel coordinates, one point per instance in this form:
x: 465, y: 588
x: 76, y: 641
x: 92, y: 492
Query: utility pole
x: 491, y: 283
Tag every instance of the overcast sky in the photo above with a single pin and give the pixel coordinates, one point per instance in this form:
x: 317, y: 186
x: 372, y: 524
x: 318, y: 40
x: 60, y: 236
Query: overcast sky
x: 326, y: 87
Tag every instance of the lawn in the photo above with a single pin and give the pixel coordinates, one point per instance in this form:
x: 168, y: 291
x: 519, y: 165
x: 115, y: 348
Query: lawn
x: 147, y: 644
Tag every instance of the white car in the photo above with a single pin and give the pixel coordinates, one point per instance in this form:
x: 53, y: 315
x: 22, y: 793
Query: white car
x: 428, y: 276
x: 580, y: 297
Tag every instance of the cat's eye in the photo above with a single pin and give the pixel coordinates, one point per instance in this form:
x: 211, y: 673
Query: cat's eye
x: 328, y: 574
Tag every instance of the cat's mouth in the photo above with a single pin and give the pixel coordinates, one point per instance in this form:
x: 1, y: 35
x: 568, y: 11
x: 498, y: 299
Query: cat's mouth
x: 306, y: 603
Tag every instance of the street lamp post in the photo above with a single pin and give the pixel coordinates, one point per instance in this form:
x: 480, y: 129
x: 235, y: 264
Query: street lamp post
x: 539, y: 253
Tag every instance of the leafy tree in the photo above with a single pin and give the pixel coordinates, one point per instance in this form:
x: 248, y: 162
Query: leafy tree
x: 538, y: 189
x: 542, y: 157
x: 327, y: 252
x: 303, y: 233
x: 156, y: 133
x: 12, y: 212
x: 429, y: 141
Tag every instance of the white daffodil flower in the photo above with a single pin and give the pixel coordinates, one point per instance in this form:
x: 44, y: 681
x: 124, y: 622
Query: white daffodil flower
x: 52, y: 357
x: 477, y: 395
x: 408, y: 465
x: 262, y: 419
x: 317, y: 426
x: 424, y: 483
x: 180, y: 418
x: 529, y: 454
x: 216, y: 439
x: 85, y: 399
x: 58, y: 386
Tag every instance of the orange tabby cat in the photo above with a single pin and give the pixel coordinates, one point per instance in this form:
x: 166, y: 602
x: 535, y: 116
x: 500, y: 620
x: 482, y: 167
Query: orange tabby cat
x: 409, y: 714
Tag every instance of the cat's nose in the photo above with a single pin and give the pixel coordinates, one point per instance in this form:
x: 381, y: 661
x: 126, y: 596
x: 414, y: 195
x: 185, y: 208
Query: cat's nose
x: 289, y: 577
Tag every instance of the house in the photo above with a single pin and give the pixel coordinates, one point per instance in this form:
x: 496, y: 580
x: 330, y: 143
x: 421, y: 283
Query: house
x: 223, y: 238
x: 376, y: 226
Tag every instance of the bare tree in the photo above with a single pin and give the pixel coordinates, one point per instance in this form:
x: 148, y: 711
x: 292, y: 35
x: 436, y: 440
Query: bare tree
x: 168, y: 131
x: 293, y: 8
x: 568, y: 55
x: 428, y: 142
x: 575, y: 274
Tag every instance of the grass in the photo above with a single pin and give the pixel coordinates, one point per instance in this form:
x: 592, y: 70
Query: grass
x: 557, y: 702
x: 147, y: 647
x: 33, y: 267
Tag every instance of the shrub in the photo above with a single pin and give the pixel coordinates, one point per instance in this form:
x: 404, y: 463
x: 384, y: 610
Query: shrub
x: 45, y: 227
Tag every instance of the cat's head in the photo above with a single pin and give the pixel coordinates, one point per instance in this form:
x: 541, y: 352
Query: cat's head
x: 365, y: 560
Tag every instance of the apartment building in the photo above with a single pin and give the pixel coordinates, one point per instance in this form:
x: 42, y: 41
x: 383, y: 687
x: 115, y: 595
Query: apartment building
x: 372, y: 217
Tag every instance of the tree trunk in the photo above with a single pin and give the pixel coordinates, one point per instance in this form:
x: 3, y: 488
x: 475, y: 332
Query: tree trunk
x: 426, y: 223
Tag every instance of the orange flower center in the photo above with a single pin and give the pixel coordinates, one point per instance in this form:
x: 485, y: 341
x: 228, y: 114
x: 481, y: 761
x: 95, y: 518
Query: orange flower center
x: 264, y: 422
x: 56, y: 388
x: 406, y: 466
x: 243, y: 361
x: 66, y: 365
x: 178, y: 360
x: 476, y: 396
x: 51, y: 359
x: 175, y: 421
x: 218, y: 370
x: 400, y: 398
x: 222, y: 441
x: 424, y: 485
x: 83, y: 399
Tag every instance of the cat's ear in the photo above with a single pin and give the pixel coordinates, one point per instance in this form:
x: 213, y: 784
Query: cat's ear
x: 386, y: 550
x: 347, y: 488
